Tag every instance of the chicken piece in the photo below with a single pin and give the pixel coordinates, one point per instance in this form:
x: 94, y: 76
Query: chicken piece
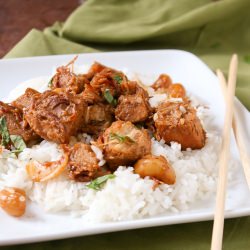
x: 82, y: 81
x: 90, y: 96
x: 66, y: 79
x: 95, y: 68
x: 108, y: 80
x: 123, y: 144
x: 133, y: 108
x: 56, y: 115
x: 98, y: 117
x: 25, y: 100
x: 129, y: 87
x: 16, y: 123
x: 178, y: 122
x: 162, y: 83
x: 83, y: 164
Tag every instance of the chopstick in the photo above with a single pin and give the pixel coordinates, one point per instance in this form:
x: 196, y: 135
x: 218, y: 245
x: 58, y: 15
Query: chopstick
x: 238, y: 133
x: 223, y: 161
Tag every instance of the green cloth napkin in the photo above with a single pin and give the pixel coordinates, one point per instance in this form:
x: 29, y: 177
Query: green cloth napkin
x: 213, y: 30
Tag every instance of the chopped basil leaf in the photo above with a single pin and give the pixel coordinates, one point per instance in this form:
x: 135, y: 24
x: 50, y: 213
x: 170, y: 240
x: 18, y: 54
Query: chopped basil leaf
x: 120, y: 138
x: 247, y: 59
x: 50, y: 82
x: 4, y: 132
x: 16, y: 140
x: 110, y: 99
x: 108, y: 96
x: 98, y: 182
x: 118, y: 79
x: 18, y: 143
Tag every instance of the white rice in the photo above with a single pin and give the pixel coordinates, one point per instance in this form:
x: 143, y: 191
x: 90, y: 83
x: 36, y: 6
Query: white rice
x: 156, y: 99
x: 127, y: 196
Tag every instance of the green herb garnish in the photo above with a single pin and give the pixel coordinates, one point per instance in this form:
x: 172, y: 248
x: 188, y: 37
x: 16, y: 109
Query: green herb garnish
x: 16, y: 140
x: 50, y: 82
x: 18, y: 143
x: 247, y: 59
x: 4, y: 132
x: 121, y: 138
x: 118, y: 78
x: 110, y: 99
x: 98, y: 182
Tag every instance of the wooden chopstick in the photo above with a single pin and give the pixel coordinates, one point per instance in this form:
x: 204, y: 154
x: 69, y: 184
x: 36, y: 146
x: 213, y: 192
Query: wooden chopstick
x: 224, y: 156
x: 238, y: 133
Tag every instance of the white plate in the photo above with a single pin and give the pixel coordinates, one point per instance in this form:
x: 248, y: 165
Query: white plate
x: 183, y: 67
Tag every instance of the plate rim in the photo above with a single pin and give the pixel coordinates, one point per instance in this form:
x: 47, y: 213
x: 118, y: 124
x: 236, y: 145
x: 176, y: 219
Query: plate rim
x: 126, y: 225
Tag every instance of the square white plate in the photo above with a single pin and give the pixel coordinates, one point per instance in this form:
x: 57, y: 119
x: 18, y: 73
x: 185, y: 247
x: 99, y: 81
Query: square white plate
x: 183, y: 67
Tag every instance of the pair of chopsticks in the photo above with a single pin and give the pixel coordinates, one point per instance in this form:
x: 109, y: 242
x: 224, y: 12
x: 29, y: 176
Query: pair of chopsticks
x: 238, y: 133
x: 229, y: 92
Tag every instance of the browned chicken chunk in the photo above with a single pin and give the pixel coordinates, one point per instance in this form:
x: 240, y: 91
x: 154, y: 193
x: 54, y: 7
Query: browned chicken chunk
x: 178, y: 122
x: 16, y: 124
x: 133, y: 108
x: 95, y: 68
x: 123, y: 143
x: 56, y: 116
x: 129, y: 87
x: 66, y: 79
x: 90, y: 96
x: 25, y: 100
x: 105, y: 86
x: 97, y: 118
x: 83, y: 164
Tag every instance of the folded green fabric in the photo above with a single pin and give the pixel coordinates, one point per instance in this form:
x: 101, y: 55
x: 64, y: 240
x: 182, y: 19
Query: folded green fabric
x: 213, y: 30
